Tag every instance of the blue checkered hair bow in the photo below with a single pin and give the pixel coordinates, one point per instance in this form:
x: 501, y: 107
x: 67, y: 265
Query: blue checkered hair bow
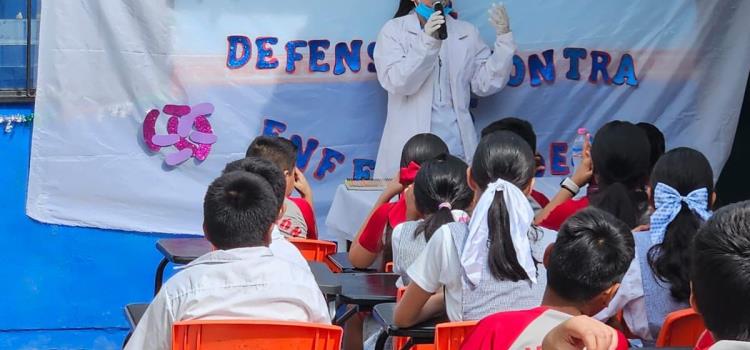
x: 669, y: 203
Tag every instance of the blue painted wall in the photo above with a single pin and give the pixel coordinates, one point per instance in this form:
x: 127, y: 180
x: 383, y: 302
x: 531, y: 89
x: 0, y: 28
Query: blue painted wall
x: 62, y: 287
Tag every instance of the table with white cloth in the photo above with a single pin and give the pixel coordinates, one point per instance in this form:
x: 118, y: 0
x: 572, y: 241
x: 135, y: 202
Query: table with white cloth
x: 350, y: 208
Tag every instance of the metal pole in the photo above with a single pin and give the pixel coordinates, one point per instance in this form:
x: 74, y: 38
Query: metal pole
x: 28, y: 48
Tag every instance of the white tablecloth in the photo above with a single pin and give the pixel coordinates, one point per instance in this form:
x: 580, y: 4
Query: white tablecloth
x: 350, y: 208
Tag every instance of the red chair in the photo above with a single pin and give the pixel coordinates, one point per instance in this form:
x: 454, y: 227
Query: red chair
x: 251, y: 334
x: 450, y: 335
x: 681, y: 328
x: 388, y: 267
x: 314, y: 250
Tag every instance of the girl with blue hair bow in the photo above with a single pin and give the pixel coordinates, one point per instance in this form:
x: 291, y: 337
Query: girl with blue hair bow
x: 658, y: 281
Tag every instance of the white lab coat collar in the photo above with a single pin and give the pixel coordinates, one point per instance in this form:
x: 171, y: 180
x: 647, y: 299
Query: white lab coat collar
x: 231, y: 255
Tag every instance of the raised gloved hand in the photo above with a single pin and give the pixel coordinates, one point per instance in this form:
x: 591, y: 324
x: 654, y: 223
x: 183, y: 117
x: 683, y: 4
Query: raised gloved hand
x: 499, y: 18
x: 433, y: 23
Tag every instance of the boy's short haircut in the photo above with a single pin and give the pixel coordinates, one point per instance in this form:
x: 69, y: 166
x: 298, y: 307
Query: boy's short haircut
x: 264, y: 169
x: 721, y: 272
x: 518, y: 126
x: 276, y: 149
x: 238, y: 210
x: 593, y: 252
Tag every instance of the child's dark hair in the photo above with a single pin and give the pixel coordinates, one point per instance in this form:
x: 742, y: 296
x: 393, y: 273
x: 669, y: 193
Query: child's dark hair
x: 620, y: 154
x: 685, y: 170
x: 421, y: 148
x: 721, y: 272
x: 592, y: 252
x: 502, y: 155
x: 238, y: 210
x: 264, y: 169
x: 656, y: 141
x: 519, y: 126
x: 404, y: 8
x: 278, y: 150
x: 440, y: 181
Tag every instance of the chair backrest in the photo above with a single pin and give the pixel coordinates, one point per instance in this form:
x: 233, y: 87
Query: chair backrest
x: 314, y: 250
x: 450, y: 335
x: 681, y: 328
x: 388, y: 267
x: 253, y: 334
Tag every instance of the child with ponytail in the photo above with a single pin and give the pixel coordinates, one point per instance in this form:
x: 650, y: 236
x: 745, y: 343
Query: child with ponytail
x: 658, y: 281
x: 441, y: 195
x: 494, y: 263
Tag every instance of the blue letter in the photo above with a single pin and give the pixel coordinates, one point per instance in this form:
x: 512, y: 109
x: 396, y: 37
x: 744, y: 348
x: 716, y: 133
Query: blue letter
x: 599, y: 63
x: 626, y: 71
x: 233, y: 62
x: 371, y: 53
x: 363, y: 169
x: 292, y: 56
x: 352, y: 57
x: 316, y: 55
x: 547, y: 70
x: 273, y: 128
x: 517, y: 78
x: 326, y: 163
x: 559, y: 160
x: 574, y: 54
x: 265, y: 53
x: 304, y: 153
x: 540, y: 166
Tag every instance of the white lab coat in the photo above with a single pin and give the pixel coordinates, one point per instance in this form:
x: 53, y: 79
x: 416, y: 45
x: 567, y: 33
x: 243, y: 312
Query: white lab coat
x: 405, y: 59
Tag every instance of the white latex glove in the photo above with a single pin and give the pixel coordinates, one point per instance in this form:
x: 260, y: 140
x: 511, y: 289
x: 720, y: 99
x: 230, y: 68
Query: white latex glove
x: 499, y: 18
x: 433, y: 23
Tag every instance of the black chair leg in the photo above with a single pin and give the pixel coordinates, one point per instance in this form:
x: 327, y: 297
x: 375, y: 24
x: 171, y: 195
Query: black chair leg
x: 160, y: 275
x: 382, y: 338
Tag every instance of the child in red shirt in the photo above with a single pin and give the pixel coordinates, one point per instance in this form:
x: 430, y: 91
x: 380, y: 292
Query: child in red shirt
x: 299, y: 216
x: 584, y: 269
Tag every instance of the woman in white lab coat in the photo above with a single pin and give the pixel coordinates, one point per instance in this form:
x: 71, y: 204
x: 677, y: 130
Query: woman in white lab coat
x: 430, y: 81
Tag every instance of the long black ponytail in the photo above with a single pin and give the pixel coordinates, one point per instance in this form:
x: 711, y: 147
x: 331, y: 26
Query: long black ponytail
x: 404, y: 8
x: 685, y: 170
x: 502, y: 155
x: 439, y: 181
x: 621, y: 153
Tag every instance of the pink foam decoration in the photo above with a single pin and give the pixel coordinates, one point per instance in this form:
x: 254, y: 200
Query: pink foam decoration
x: 176, y: 110
x: 149, y: 129
x: 165, y: 140
x: 202, y: 138
x: 178, y: 157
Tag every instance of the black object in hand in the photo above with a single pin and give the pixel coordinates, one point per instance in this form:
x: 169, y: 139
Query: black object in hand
x: 442, y: 32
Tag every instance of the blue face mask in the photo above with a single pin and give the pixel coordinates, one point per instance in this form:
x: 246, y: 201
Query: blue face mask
x: 426, y: 11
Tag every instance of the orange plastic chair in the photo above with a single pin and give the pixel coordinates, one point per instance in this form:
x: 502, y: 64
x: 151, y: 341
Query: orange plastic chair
x: 388, y: 267
x: 253, y: 334
x: 314, y: 250
x: 399, y: 342
x: 681, y: 328
x: 450, y: 335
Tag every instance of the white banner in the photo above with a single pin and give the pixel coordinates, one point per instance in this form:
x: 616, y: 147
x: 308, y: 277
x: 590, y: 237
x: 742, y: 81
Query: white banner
x: 141, y: 103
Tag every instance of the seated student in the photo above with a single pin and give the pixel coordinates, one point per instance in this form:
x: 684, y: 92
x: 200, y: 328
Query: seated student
x: 524, y: 129
x: 659, y: 280
x: 280, y: 246
x: 655, y: 140
x: 618, y: 162
x: 441, y: 195
x: 373, y: 239
x: 299, y: 217
x: 585, y: 266
x: 494, y: 263
x: 720, y: 276
x: 242, y: 279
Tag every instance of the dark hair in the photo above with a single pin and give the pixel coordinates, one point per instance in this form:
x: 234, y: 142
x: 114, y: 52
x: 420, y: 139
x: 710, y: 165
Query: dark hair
x: 502, y: 155
x: 264, y: 169
x: 656, y: 141
x: 721, y: 272
x: 404, y: 8
x: 620, y: 154
x: 519, y: 126
x: 421, y: 148
x: 238, y: 210
x: 440, y: 181
x: 685, y: 170
x: 278, y: 150
x: 592, y: 252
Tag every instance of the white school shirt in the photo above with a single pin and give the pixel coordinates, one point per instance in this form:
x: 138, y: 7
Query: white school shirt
x: 243, y: 283
x: 282, y: 248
